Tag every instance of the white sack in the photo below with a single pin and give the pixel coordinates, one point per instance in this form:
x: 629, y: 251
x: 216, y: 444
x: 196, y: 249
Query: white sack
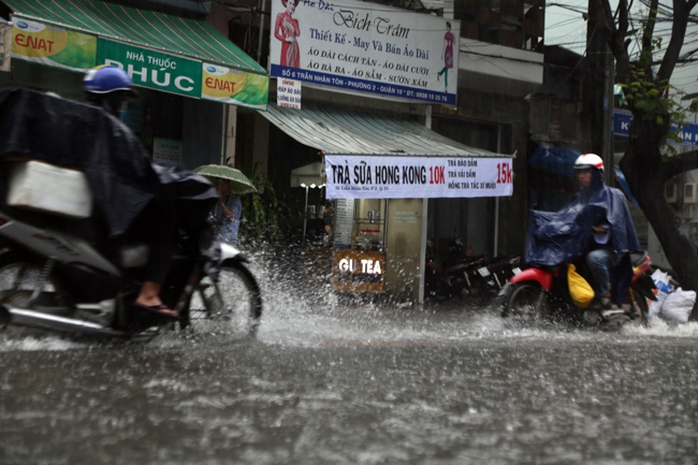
x: 678, y: 305
x: 661, y: 281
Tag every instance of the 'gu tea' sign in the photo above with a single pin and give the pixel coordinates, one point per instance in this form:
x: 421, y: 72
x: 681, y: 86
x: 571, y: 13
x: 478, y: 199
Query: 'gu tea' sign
x: 356, y: 270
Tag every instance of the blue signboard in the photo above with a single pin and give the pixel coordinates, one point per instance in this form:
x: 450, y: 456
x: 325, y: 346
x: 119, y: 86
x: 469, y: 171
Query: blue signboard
x: 687, y: 132
x: 363, y: 85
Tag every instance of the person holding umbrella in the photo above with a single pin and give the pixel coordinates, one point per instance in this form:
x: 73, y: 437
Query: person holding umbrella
x: 231, y: 184
x: 227, y: 213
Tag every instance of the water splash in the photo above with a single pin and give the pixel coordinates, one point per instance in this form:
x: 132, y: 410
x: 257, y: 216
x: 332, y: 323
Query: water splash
x: 16, y: 343
x: 307, y: 313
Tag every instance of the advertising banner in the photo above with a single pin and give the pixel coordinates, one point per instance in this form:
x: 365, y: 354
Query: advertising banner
x: 234, y: 87
x: 184, y: 76
x: 402, y: 177
x: 366, y: 47
x: 53, y: 46
x: 152, y: 69
x: 288, y: 93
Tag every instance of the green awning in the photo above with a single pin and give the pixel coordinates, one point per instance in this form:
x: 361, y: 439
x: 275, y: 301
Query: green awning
x: 335, y: 131
x: 154, y: 30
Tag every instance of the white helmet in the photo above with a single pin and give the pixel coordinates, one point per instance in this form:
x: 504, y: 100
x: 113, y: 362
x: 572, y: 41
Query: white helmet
x: 588, y: 161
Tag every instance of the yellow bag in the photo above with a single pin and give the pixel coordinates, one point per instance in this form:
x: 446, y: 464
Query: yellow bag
x: 580, y: 290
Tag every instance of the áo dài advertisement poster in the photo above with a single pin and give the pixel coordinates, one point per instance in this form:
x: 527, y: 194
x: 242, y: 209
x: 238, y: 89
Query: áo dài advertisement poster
x: 400, y: 177
x: 366, y: 47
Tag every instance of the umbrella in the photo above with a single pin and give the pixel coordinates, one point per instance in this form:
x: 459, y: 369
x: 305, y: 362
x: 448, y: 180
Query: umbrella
x: 239, y: 183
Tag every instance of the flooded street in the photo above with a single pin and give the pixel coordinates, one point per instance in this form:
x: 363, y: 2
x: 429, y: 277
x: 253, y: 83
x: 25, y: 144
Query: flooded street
x: 361, y: 384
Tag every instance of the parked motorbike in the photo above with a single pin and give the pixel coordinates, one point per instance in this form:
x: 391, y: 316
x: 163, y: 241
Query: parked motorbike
x: 454, y: 278
x: 542, y: 293
x: 52, y: 280
x: 488, y: 279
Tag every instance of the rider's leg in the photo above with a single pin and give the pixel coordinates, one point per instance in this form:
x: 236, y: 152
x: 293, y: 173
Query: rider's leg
x: 161, y: 235
x: 600, y: 261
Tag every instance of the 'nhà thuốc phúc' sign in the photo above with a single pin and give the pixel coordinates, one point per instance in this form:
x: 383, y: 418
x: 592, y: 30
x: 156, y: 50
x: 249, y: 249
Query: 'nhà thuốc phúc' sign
x: 63, y: 48
x: 391, y: 177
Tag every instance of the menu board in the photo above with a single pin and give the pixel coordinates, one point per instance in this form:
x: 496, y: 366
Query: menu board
x: 343, y: 223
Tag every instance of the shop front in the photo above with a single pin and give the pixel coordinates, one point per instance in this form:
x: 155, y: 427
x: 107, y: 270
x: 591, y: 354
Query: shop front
x: 183, y: 67
x: 379, y: 172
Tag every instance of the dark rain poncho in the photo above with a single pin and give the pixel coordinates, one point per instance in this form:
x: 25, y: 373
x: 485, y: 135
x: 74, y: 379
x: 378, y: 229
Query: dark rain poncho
x: 123, y: 179
x: 566, y: 235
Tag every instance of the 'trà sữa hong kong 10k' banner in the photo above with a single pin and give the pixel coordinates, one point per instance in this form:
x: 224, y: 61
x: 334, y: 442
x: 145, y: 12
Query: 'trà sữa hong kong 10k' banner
x: 366, y: 47
x: 388, y: 177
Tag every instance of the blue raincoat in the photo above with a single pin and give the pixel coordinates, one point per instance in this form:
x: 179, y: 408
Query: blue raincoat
x: 566, y: 235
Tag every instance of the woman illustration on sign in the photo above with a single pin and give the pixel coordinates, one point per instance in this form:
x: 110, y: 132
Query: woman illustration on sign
x: 287, y: 30
x: 446, y: 54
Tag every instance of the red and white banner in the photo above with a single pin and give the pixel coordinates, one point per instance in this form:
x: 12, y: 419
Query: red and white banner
x: 409, y: 177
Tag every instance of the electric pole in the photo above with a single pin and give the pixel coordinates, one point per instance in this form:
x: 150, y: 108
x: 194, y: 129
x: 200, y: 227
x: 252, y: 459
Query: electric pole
x: 598, y: 102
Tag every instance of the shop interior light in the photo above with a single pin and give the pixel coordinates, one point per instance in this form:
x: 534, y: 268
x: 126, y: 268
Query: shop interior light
x: 313, y: 186
x: 303, y: 184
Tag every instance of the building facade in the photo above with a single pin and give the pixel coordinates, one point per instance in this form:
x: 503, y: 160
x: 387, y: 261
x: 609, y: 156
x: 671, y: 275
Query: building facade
x: 499, y: 65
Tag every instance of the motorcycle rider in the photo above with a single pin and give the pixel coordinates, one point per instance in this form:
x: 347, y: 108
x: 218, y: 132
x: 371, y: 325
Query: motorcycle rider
x: 612, y: 234
x: 110, y: 88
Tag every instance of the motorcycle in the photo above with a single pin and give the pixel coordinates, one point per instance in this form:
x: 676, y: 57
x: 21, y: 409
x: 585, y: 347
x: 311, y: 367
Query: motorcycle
x: 52, y: 280
x: 455, y: 278
x: 487, y: 280
x: 542, y: 293
x: 72, y: 255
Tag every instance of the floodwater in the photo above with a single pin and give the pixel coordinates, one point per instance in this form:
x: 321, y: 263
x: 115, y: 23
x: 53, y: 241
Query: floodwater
x: 327, y: 383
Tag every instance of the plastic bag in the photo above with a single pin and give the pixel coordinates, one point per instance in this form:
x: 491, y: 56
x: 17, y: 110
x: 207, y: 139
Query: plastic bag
x: 663, y: 288
x: 580, y: 290
x: 678, y: 305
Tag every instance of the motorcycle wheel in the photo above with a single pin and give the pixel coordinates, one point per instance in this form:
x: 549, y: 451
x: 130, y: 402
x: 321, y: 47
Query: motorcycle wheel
x: 234, y: 299
x: 477, y: 294
x: 635, y: 306
x: 525, y: 301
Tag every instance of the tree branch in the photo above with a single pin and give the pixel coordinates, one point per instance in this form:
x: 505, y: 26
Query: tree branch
x: 681, y: 163
x: 648, y: 31
x: 678, y: 34
x: 617, y: 42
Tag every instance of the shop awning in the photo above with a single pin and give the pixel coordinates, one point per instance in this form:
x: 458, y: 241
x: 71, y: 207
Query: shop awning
x: 308, y: 176
x: 144, y: 28
x: 379, y: 156
x: 336, y: 131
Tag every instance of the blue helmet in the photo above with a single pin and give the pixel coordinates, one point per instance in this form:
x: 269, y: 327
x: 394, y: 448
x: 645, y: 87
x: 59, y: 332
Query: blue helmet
x: 106, y: 79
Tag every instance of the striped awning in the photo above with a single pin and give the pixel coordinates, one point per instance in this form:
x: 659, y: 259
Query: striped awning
x: 335, y: 131
x: 154, y: 30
